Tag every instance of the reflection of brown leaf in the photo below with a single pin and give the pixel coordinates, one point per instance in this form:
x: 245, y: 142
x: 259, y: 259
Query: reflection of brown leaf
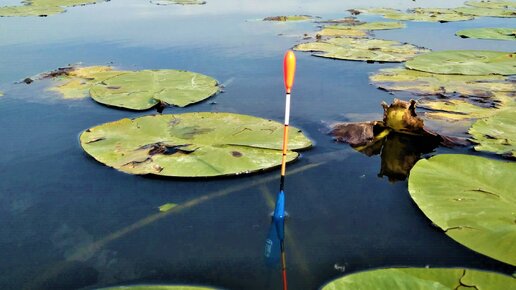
x: 356, y: 134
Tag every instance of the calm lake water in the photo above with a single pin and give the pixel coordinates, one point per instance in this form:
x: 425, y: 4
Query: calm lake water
x: 68, y: 222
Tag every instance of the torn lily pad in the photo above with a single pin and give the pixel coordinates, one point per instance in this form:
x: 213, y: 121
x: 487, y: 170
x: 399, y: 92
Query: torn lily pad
x: 192, y: 144
x: 42, y: 7
x: 425, y: 83
x: 496, y: 134
x: 488, y: 33
x: 179, y: 2
x: 369, y: 50
x: 288, y: 18
x: 472, y: 199
x: 421, y: 14
x: 135, y: 90
x: 465, y: 62
x: 421, y: 278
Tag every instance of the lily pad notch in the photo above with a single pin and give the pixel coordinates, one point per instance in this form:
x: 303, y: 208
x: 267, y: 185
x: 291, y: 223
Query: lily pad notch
x: 198, y: 144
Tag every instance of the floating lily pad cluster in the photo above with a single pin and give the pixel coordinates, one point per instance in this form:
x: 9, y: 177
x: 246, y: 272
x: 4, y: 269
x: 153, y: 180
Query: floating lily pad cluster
x: 192, y: 144
x: 468, y: 12
x: 478, y: 77
x: 472, y: 199
x: 422, y: 278
x: 488, y: 33
x: 135, y: 90
x: 42, y: 7
x: 351, y: 42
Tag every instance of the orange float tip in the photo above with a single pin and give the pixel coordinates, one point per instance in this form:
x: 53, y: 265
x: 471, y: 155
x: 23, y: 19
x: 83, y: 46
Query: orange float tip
x: 289, y: 70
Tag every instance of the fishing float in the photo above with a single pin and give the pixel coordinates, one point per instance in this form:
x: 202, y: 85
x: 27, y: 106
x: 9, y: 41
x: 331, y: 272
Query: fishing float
x: 277, y: 231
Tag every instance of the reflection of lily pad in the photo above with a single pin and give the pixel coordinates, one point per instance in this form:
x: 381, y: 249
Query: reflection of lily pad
x: 421, y: 14
x: 465, y: 62
x: 424, y: 83
x: 289, y: 18
x: 421, y: 278
x: 179, y: 2
x: 42, y: 7
x: 472, y: 199
x: 191, y: 145
x: 136, y: 90
x: 362, y: 49
x: 488, y: 33
x: 495, y: 12
x: 496, y: 134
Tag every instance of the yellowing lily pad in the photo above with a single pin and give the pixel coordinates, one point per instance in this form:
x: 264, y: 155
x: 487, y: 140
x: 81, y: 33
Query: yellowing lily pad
x: 465, y: 62
x: 42, y: 7
x: 192, y: 144
x: 496, y: 134
x: 421, y: 278
x: 136, y: 90
x: 370, y: 50
x: 424, y: 83
x: 472, y: 199
x: 289, y: 18
x: 488, y: 33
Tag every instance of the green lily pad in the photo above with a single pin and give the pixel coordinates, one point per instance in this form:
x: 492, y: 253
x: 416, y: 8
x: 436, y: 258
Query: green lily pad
x: 488, y: 33
x: 472, y: 199
x: 42, y: 7
x: 141, y: 90
x: 421, y: 278
x: 179, y: 2
x: 330, y: 32
x: 465, y: 62
x: 289, y: 18
x: 157, y: 287
x: 421, y: 14
x: 362, y: 49
x: 192, y: 144
x: 496, y: 134
x: 136, y: 90
x: 491, y: 4
x: 424, y: 83
x: 489, y: 12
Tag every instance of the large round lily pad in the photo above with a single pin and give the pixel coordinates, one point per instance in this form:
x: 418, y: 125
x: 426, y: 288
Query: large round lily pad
x: 424, y: 83
x: 488, y: 33
x: 465, y: 62
x: 136, y: 90
x: 362, y: 49
x: 472, y: 199
x: 42, y: 7
x: 422, y: 278
x: 191, y: 145
x: 496, y: 134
